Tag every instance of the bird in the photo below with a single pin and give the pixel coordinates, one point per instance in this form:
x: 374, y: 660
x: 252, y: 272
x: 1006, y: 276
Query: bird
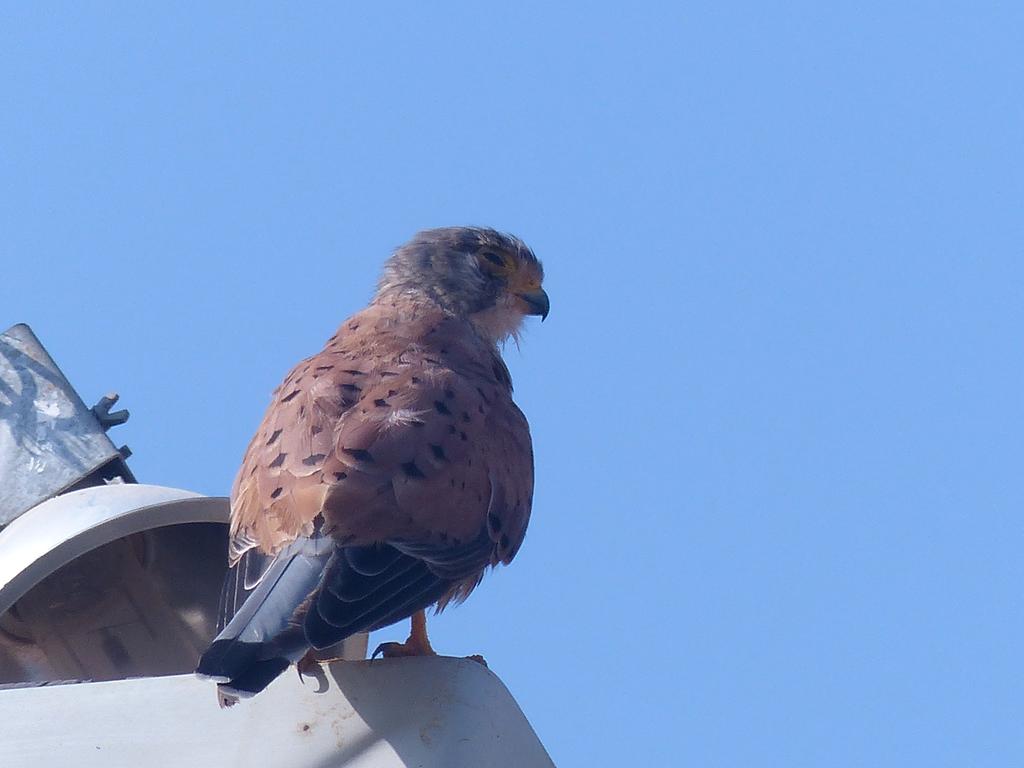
x: 391, y: 469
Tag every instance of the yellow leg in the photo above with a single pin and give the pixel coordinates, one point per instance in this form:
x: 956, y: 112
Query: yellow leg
x: 418, y: 643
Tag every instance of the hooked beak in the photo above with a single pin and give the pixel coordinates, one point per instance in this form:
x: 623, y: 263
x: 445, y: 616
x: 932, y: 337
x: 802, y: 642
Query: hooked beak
x: 537, y: 301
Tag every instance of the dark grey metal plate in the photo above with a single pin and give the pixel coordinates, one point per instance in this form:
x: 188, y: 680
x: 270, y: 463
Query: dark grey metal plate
x: 49, y: 439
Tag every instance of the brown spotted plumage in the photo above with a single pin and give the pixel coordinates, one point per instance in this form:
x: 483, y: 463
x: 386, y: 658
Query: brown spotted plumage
x: 391, y: 468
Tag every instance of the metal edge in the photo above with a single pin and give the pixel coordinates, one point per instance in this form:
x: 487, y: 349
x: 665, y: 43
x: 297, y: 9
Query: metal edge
x: 49, y: 546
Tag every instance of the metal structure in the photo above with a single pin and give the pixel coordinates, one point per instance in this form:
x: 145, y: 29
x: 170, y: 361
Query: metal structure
x: 110, y: 582
x: 100, y: 578
x: 112, y: 588
x: 398, y: 713
x: 49, y: 441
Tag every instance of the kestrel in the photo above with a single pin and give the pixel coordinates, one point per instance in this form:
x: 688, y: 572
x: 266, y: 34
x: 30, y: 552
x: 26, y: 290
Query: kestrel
x: 391, y: 468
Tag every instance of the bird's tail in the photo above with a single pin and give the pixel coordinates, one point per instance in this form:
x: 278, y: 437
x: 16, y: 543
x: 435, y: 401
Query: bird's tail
x: 266, y: 634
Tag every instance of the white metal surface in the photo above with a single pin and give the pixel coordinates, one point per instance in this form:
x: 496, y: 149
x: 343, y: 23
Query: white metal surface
x: 57, y: 531
x: 384, y: 714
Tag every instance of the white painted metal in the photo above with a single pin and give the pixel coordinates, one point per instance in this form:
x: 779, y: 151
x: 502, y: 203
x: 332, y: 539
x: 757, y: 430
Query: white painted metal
x: 398, y: 712
x: 57, y: 531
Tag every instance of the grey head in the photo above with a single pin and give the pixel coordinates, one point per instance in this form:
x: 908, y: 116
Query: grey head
x: 471, y: 272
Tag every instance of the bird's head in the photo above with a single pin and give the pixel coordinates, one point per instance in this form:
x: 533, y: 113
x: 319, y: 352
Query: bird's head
x: 489, y: 278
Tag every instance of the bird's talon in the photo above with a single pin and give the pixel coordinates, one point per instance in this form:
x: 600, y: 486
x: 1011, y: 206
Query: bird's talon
x: 395, y: 650
x: 417, y: 645
x: 307, y: 665
x: 478, y: 659
x: 381, y: 651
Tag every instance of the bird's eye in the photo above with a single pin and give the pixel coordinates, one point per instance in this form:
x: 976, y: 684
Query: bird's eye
x: 496, y: 264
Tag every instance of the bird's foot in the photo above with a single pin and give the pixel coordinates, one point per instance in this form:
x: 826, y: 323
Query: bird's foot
x: 418, y: 643
x: 410, y: 647
x: 399, y: 650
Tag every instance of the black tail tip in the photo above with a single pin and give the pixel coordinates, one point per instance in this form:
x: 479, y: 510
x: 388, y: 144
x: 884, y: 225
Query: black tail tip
x: 254, y: 679
x: 226, y: 659
x: 237, y: 668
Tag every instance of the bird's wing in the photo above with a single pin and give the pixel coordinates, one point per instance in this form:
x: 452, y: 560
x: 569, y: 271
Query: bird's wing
x: 280, y: 486
x: 435, y: 484
x: 432, y: 457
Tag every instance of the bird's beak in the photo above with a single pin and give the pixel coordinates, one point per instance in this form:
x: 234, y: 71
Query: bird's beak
x: 537, y: 301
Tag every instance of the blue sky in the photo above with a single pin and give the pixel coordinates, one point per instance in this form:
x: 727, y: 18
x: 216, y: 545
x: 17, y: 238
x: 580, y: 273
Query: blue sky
x: 777, y: 406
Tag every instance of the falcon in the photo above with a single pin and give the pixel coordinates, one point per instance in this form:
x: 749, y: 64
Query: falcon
x: 390, y: 470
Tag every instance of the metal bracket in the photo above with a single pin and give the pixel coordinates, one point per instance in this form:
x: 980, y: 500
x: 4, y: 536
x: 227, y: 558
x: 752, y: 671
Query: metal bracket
x: 102, y: 411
